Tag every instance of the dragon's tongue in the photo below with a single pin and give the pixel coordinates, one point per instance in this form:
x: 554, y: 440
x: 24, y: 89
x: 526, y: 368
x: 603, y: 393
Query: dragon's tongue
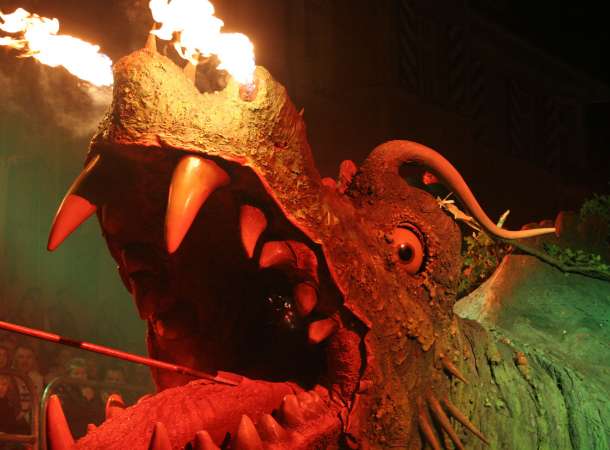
x: 185, y: 410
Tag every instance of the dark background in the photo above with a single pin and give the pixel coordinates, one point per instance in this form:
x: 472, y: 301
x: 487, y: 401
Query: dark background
x: 577, y: 32
x: 514, y: 93
x: 574, y: 32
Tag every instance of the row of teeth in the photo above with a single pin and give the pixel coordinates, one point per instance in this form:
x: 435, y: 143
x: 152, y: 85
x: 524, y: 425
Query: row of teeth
x: 293, y: 412
x: 193, y: 181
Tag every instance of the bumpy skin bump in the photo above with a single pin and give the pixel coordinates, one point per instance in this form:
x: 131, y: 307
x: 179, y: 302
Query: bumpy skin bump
x: 398, y: 329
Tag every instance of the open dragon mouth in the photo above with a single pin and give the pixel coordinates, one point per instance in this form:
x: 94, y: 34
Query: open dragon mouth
x: 226, y: 283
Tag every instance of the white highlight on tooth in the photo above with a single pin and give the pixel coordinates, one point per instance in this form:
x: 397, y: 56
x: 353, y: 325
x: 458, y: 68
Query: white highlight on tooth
x: 203, y: 441
x: 320, y: 330
x: 194, y: 180
x: 291, y: 411
x: 270, y: 430
x: 306, y: 298
x: 275, y: 254
x: 247, y: 437
x: 159, y: 440
x: 114, y: 406
x: 252, y: 223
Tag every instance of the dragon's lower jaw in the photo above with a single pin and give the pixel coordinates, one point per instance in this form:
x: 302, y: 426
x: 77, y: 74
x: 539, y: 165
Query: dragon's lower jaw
x: 285, y: 417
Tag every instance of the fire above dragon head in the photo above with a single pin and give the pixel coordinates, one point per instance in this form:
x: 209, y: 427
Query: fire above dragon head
x: 331, y: 302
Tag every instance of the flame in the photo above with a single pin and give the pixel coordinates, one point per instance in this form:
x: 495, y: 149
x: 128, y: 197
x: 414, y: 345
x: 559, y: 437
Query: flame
x: 197, y: 33
x: 38, y: 38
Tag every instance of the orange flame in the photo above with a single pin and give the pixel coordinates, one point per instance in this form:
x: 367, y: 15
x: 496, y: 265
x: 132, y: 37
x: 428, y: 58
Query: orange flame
x: 199, y: 34
x: 38, y: 38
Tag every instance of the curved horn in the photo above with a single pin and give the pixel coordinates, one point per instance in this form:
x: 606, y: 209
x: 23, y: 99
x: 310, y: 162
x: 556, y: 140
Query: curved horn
x: 73, y: 210
x: 391, y: 155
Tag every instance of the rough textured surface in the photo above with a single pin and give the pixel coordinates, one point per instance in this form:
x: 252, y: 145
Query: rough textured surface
x: 530, y: 400
x: 536, y: 304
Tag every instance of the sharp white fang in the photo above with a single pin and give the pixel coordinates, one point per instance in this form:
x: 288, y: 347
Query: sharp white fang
x: 252, y: 223
x: 73, y: 210
x: 321, y: 330
x: 59, y: 436
x: 247, y: 437
x: 193, y: 181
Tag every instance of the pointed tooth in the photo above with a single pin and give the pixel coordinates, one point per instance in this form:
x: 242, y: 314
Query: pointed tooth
x: 151, y: 43
x: 247, y: 437
x: 159, y: 440
x: 276, y: 253
x: 59, y: 436
x: 73, y: 210
x: 270, y: 430
x: 306, y: 259
x: 190, y: 70
x: 321, y: 330
x: 320, y: 391
x: 193, y: 181
x: 291, y: 411
x: 252, y: 222
x: 329, y: 183
x: 308, y: 405
x: 203, y: 441
x: 304, y: 398
x: 316, y: 397
x: 114, y: 406
x: 306, y: 298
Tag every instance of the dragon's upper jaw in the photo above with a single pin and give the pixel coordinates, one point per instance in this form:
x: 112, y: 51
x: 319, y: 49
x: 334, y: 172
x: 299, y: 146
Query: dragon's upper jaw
x: 247, y: 289
x: 215, y: 305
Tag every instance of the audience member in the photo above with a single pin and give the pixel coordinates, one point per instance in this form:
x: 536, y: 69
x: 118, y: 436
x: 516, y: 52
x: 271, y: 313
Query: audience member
x: 114, y: 375
x: 59, y: 365
x: 5, y: 357
x: 24, y: 361
x: 9, y: 407
x: 92, y: 367
x: 9, y: 341
x: 81, y: 404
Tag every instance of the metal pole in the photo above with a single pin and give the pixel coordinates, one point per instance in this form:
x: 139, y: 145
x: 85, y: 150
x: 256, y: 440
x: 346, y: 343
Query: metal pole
x: 114, y: 353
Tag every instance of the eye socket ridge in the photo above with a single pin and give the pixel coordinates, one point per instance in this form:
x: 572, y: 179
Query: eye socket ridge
x: 409, y: 248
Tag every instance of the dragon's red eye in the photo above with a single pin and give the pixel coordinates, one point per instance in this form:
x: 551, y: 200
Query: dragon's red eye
x: 409, y: 249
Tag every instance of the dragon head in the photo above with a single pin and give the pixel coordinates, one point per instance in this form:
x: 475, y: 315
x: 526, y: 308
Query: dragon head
x: 329, y: 303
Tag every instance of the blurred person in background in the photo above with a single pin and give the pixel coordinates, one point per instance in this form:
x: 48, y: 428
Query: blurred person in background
x: 24, y: 361
x: 10, y: 408
x: 114, y: 375
x: 92, y: 367
x: 80, y: 402
x: 59, y: 364
x: 5, y: 357
x: 8, y: 340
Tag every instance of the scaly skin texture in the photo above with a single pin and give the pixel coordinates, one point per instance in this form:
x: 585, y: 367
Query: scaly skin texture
x: 406, y: 350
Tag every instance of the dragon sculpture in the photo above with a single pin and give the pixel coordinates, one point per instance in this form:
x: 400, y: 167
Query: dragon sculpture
x: 325, y: 308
